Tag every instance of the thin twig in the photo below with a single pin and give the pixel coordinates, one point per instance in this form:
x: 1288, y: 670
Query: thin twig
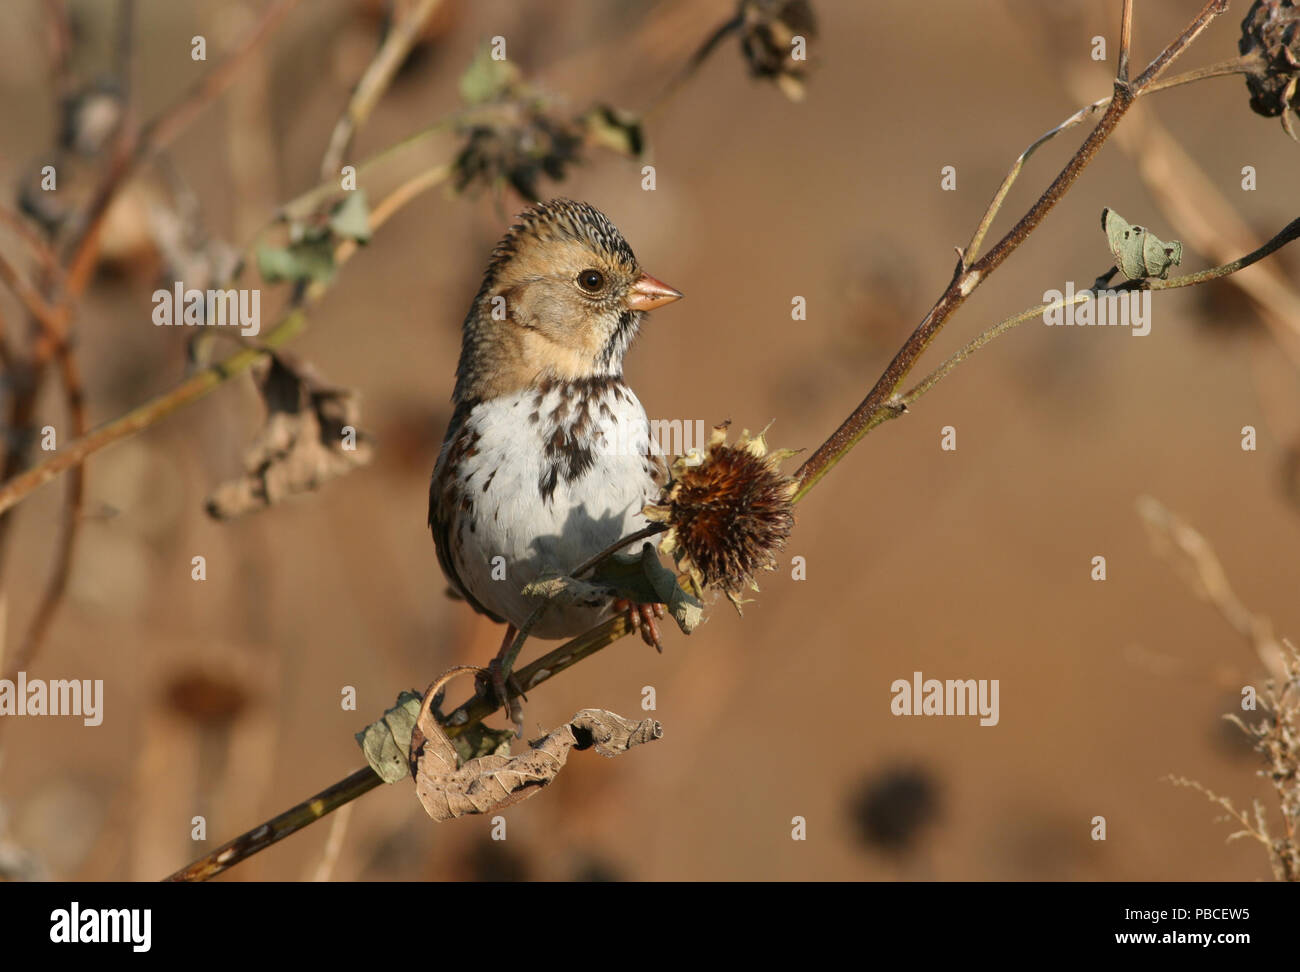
x: 1236, y: 65
x: 1125, y: 42
x: 508, y: 659
x: 122, y: 46
x: 1288, y: 233
x: 200, y: 384
x: 59, y: 34
x: 333, y: 845
x: 693, y: 64
x: 128, y: 150
x: 1194, y: 559
x: 899, y: 404
x: 73, y: 503
x: 27, y: 294
x: 1203, y: 218
x: 374, y: 82
x: 967, y: 277
x: 34, y: 242
x: 597, y: 559
x: 470, y: 713
x: 135, y: 150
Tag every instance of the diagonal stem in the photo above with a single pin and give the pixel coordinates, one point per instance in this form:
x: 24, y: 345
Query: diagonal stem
x: 966, y: 278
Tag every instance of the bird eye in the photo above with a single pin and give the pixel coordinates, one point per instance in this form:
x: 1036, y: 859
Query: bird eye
x: 592, y: 281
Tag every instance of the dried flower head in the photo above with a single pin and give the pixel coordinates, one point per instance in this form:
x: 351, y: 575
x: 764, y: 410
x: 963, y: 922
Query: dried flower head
x: 1271, y: 32
x: 770, y: 30
x: 515, y: 133
x: 728, y: 511
x: 519, y: 148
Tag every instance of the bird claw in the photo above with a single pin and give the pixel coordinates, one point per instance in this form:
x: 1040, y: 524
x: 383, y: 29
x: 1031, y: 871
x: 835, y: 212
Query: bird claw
x: 505, y: 691
x: 642, y: 617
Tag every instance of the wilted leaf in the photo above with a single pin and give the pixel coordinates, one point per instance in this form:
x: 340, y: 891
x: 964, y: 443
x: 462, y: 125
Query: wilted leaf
x: 446, y: 789
x: 768, y: 32
x: 311, y: 435
x: 311, y: 258
x: 1138, y: 252
x: 387, y: 741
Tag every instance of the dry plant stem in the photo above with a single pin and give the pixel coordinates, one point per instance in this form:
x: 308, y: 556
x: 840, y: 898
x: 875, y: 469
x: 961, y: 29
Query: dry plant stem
x: 27, y: 295
x: 333, y: 845
x: 74, y: 501
x: 122, y: 46
x: 1289, y: 233
x: 1125, y: 42
x: 1196, y: 562
x: 304, y: 205
x: 129, y: 149
x: 1201, y: 215
x: 374, y: 82
x: 21, y: 413
x: 196, y: 387
x: 508, y: 659
x: 1236, y: 65
x: 137, y: 149
x: 364, y: 780
x: 967, y: 277
x: 688, y: 70
x: 59, y: 32
x: 34, y: 242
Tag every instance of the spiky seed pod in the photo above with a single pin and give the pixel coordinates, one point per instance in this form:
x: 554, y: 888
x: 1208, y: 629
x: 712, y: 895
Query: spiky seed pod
x: 1271, y: 32
x: 768, y: 28
x: 728, y: 510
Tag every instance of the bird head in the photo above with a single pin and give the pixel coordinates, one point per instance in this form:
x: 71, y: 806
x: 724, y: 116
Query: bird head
x: 562, y: 299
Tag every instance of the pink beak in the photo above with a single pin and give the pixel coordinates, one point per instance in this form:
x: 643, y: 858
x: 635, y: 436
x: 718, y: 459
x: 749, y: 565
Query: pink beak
x: 648, y: 293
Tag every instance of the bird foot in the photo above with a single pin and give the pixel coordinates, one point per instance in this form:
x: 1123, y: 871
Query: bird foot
x: 500, y: 685
x: 642, y: 619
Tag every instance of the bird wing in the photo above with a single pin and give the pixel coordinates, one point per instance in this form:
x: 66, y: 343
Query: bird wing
x: 446, y: 500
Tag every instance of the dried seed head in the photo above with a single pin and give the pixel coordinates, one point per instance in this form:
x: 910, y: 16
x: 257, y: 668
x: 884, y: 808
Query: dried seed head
x: 728, y: 512
x: 1271, y: 32
x: 523, y: 146
x: 768, y: 32
x: 511, y: 133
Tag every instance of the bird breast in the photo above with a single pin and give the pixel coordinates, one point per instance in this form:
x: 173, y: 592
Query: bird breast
x: 557, y: 472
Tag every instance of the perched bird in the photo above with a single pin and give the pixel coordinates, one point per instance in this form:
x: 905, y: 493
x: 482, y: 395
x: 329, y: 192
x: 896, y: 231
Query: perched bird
x: 547, y: 460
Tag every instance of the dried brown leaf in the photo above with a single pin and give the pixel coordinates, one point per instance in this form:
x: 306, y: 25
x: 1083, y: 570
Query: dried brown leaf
x: 447, y: 789
x: 304, y: 443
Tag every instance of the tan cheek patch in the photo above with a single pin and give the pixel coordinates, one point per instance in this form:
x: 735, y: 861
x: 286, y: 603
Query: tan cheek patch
x: 554, y: 332
x: 523, y: 347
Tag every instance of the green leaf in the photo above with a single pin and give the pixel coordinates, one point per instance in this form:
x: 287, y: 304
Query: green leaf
x: 1138, y: 252
x: 387, y: 741
x: 308, y: 259
x: 486, y: 79
x: 351, y: 217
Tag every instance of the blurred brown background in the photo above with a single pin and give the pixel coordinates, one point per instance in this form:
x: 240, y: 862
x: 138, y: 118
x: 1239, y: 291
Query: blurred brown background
x: 973, y: 564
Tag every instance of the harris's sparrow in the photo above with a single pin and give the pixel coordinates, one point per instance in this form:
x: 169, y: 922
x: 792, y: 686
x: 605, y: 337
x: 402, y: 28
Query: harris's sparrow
x: 547, y: 460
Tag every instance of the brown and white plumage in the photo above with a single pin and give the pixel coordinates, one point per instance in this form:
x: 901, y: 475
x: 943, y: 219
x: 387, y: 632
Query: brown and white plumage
x: 547, y: 459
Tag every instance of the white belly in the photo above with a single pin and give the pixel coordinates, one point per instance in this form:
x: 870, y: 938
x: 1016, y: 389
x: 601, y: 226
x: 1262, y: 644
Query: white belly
x: 518, y: 532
